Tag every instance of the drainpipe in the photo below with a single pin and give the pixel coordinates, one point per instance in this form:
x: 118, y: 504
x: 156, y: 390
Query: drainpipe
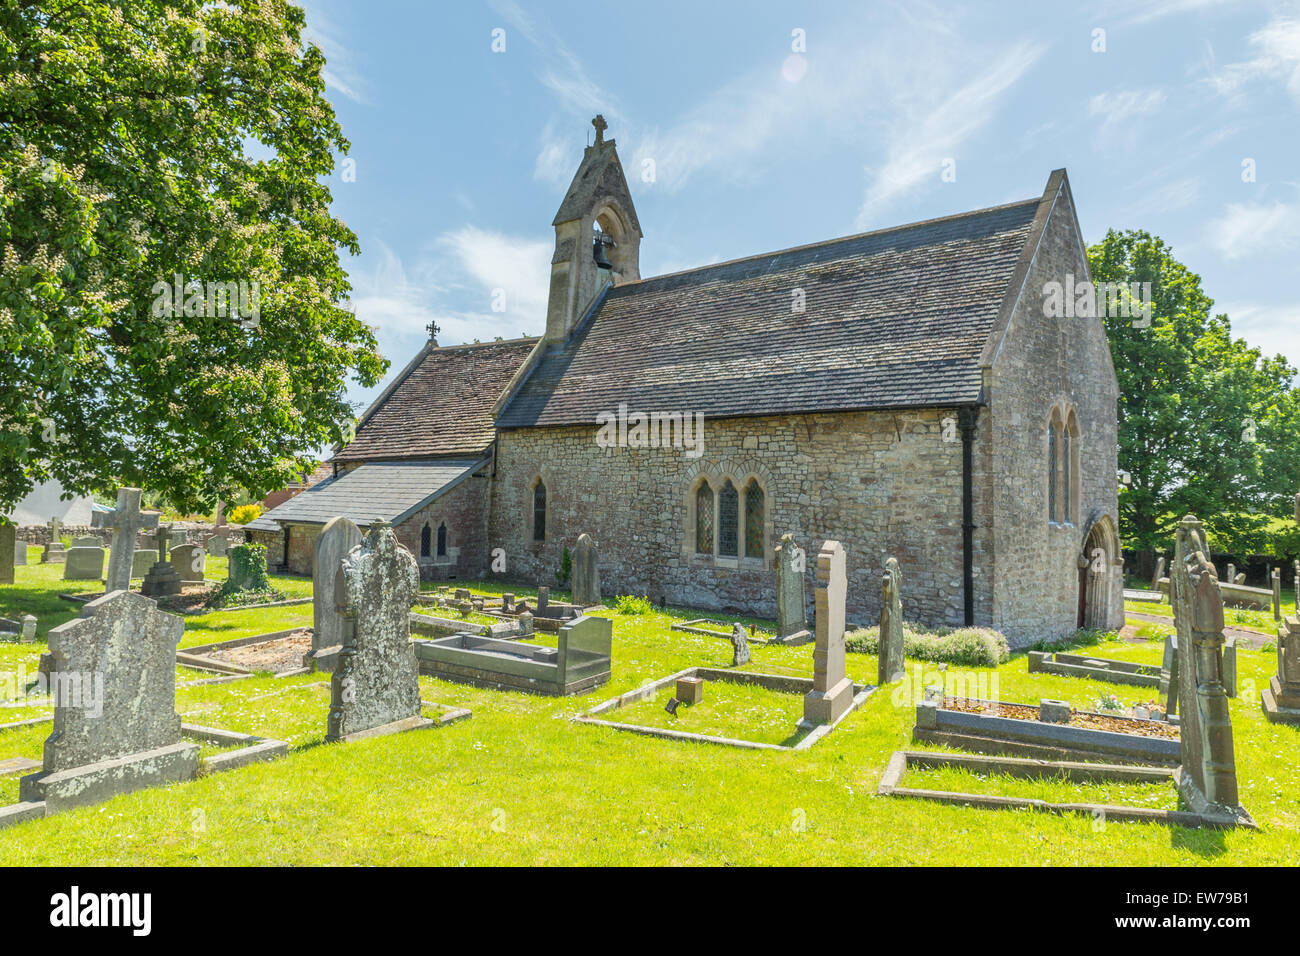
x: 966, y: 421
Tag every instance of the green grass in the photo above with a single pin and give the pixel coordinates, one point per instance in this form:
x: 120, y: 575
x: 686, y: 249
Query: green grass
x: 727, y: 710
x: 1054, y: 790
x: 519, y: 783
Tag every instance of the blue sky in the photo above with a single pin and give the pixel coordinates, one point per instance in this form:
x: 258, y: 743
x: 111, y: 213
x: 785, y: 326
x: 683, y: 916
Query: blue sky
x: 462, y: 154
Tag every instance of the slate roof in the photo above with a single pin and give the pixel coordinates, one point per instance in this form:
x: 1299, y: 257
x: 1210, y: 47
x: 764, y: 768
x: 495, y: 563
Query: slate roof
x: 893, y: 319
x: 391, y: 491
x: 440, y: 405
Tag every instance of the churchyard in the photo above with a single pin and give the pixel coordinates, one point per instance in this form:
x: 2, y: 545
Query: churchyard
x: 522, y: 782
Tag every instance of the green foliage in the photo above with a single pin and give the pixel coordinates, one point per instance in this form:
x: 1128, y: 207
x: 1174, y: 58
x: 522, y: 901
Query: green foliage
x: 245, y: 513
x: 248, y: 582
x: 141, y: 140
x: 1207, y: 424
x: 628, y: 604
x: 969, y: 646
x: 566, y: 568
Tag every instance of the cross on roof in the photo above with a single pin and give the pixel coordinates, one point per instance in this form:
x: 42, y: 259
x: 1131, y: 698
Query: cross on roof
x: 433, y: 331
x: 601, y: 126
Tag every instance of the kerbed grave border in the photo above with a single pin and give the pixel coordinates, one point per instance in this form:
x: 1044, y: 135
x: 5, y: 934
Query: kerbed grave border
x: 773, y: 682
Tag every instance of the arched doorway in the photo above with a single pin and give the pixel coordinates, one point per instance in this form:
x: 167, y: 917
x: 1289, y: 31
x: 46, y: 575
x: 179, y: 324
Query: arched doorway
x: 1097, y: 569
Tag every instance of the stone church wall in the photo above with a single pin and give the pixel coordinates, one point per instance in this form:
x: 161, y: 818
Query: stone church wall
x: 464, y: 510
x: 1045, y: 362
x: 883, y: 483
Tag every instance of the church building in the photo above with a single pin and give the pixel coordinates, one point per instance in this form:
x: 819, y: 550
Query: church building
x: 903, y: 391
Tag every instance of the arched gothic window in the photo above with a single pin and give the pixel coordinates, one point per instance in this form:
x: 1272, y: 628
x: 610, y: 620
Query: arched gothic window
x: 1053, y: 470
x: 753, y: 519
x: 442, y: 539
x: 424, y: 541
x: 728, y: 520
x: 704, y: 519
x: 539, y: 512
x: 1070, y: 467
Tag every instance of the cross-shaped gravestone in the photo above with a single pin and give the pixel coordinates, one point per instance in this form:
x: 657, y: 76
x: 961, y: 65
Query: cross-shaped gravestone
x: 832, y: 692
x: 125, y: 521
x: 376, y: 681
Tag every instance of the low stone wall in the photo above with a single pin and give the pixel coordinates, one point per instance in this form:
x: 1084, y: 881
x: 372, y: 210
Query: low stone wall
x: 182, y: 533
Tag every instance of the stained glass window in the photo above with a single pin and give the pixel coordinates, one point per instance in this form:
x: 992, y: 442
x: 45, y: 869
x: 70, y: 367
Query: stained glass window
x: 753, y: 520
x: 728, y: 519
x: 704, y: 519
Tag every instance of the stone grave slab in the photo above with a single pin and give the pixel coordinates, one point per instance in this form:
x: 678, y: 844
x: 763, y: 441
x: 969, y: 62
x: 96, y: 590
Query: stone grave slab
x: 84, y: 563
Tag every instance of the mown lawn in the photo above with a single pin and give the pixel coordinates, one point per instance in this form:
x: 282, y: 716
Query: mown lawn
x: 520, y: 784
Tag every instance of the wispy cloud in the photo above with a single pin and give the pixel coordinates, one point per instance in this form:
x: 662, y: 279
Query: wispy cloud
x: 1273, y: 329
x: 1249, y: 229
x: 340, y: 72
x: 1117, y: 109
x: 1276, y: 58
x: 1145, y: 11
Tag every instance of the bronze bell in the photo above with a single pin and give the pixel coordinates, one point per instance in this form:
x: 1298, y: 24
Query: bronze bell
x: 598, y: 253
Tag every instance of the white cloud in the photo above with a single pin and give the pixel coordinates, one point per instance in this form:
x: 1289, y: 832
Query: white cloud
x: 1276, y: 58
x: 1248, y: 229
x: 1273, y: 329
x: 339, y: 72
x: 1158, y: 200
x: 1117, y: 108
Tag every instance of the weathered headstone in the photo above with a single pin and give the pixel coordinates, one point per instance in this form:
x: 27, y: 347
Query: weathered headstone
x: 1230, y: 666
x: 376, y: 683
x: 141, y: 561
x: 54, y: 551
x: 83, y: 564
x: 8, y: 552
x: 1169, y: 675
x: 162, y: 580
x: 113, y: 678
x: 1232, y: 574
x: 1160, y: 573
x: 19, y: 550
x: 891, y: 624
x: 507, y: 602
x: 87, y: 541
x: 29, y: 629
x: 832, y: 692
x: 339, y: 536
x: 543, y: 600
x: 1281, y: 698
x: 125, y: 521
x: 247, y: 568
x: 791, y: 609
x: 189, y: 560
x: 739, y: 645
x: 1240, y: 578
x: 218, y: 545
x: 586, y: 572
x: 1208, y: 774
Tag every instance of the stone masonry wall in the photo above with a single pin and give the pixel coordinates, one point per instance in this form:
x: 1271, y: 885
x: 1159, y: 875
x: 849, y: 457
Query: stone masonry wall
x: 1045, y: 362
x: 464, y: 509
x: 880, y: 482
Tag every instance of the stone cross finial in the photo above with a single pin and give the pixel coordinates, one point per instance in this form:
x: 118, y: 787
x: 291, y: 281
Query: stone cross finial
x: 163, y: 537
x: 601, y: 126
x: 125, y: 521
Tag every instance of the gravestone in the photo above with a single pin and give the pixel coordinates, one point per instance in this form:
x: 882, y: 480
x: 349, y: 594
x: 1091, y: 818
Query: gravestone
x: 8, y: 552
x: 543, y: 600
x: 891, y: 624
x: 1276, y: 580
x: 163, y: 580
x: 739, y: 645
x: 507, y: 602
x: 247, y: 568
x: 189, y: 560
x: 19, y: 550
x: 141, y: 562
x: 54, y: 552
x: 338, y: 537
x: 1208, y: 774
x: 376, y: 682
x: 1169, y: 675
x: 29, y: 629
x: 1160, y: 573
x: 1281, y: 698
x: 1230, y: 666
x: 791, y: 610
x: 87, y: 541
x: 218, y: 545
x: 832, y: 692
x: 113, y: 678
x: 1232, y: 574
x: 83, y: 564
x: 1240, y: 578
x: 126, y: 520
x: 586, y: 572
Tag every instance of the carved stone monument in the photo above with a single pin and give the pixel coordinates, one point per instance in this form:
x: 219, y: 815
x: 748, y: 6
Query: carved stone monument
x: 218, y: 545
x: 83, y: 564
x: 586, y: 572
x: 832, y: 692
x: 189, y: 560
x: 1160, y: 573
x: 376, y: 688
x: 891, y: 624
x: 125, y: 521
x: 113, y: 678
x: 739, y: 645
x: 20, y: 551
x: 339, y: 536
x: 54, y: 552
x: 1281, y: 697
x: 1207, y: 777
x: 162, y: 580
x: 791, y: 609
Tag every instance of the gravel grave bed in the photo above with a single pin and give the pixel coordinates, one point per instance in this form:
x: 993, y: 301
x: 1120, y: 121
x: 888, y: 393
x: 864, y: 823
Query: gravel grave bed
x: 1119, y: 725
x: 277, y: 656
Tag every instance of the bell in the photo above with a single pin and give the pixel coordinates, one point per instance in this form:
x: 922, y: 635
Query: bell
x: 598, y: 253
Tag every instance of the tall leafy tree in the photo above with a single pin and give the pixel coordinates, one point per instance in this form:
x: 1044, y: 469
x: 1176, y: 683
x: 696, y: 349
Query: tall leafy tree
x: 1207, y: 424
x: 147, y: 144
